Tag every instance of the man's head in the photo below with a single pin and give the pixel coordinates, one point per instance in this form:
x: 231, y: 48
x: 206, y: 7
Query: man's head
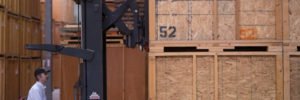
x: 41, y: 75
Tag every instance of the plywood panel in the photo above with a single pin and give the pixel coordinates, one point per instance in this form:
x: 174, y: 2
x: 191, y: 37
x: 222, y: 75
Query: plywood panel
x: 294, y: 77
x: 115, y: 73
x: 202, y: 7
x: 247, y: 77
x: 294, y: 20
x: 226, y: 27
x: 257, y: 32
x: 171, y: 7
x: 205, y: 77
x: 12, y: 81
x: 172, y: 27
x: 202, y: 27
x: 135, y: 74
x: 219, y: 19
x: 174, y: 79
x: 251, y: 5
x: 70, y: 75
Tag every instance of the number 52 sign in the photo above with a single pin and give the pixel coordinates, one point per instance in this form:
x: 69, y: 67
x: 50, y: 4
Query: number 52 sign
x: 167, y: 32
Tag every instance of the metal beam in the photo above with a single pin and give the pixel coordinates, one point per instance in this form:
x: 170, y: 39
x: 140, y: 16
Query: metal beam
x: 93, y: 38
x: 48, y: 40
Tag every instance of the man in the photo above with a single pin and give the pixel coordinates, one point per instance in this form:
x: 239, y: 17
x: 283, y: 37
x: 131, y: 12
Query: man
x: 37, y: 91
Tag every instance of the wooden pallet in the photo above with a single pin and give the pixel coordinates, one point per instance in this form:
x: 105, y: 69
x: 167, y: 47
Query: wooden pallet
x: 215, y: 46
x: 215, y: 76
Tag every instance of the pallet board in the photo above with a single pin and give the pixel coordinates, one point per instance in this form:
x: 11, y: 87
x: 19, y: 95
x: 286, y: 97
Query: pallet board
x: 199, y: 20
x: 215, y: 76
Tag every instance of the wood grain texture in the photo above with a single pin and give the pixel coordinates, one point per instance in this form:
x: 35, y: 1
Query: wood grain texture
x: 294, y: 77
x: 12, y: 82
x: 294, y: 20
x: 115, y: 73
x: 2, y: 79
x: 247, y: 77
x: 135, y: 73
x: 174, y: 79
x: 205, y: 77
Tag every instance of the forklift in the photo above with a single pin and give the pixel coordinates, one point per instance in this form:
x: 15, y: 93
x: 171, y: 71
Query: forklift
x: 96, y: 18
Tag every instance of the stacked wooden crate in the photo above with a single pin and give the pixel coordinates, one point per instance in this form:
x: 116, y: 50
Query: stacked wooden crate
x: 224, y: 49
x: 19, y: 25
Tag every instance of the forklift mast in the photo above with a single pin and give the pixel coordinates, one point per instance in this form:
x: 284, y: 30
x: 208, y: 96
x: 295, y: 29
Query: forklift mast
x: 96, y: 20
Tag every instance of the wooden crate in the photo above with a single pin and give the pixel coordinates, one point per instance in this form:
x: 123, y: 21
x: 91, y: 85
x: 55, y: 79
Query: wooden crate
x: 2, y: 78
x: 200, y: 20
x: 12, y: 82
x: 216, y: 76
x: 13, y: 6
x: 2, y: 32
x: 12, y: 35
x: 291, y: 17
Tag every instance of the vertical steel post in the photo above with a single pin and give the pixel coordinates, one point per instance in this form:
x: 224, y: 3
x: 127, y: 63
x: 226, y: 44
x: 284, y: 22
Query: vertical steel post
x: 93, y: 38
x: 48, y: 40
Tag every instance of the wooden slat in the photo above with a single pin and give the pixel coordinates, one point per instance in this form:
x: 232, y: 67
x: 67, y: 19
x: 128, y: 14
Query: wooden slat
x: 12, y: 34
x: 278, y: 20
x: 279, y: 78
x: 12, y: 80
x: 152, y: 78
x: 152, y: 20
x: 215, y: 19
x: 194, y: 77
x: 287, y: 76
x: 2, y: 79
x: 216, y: 78
x: 2, y: 32
x: 285, y: 20
x: 237, y: 17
